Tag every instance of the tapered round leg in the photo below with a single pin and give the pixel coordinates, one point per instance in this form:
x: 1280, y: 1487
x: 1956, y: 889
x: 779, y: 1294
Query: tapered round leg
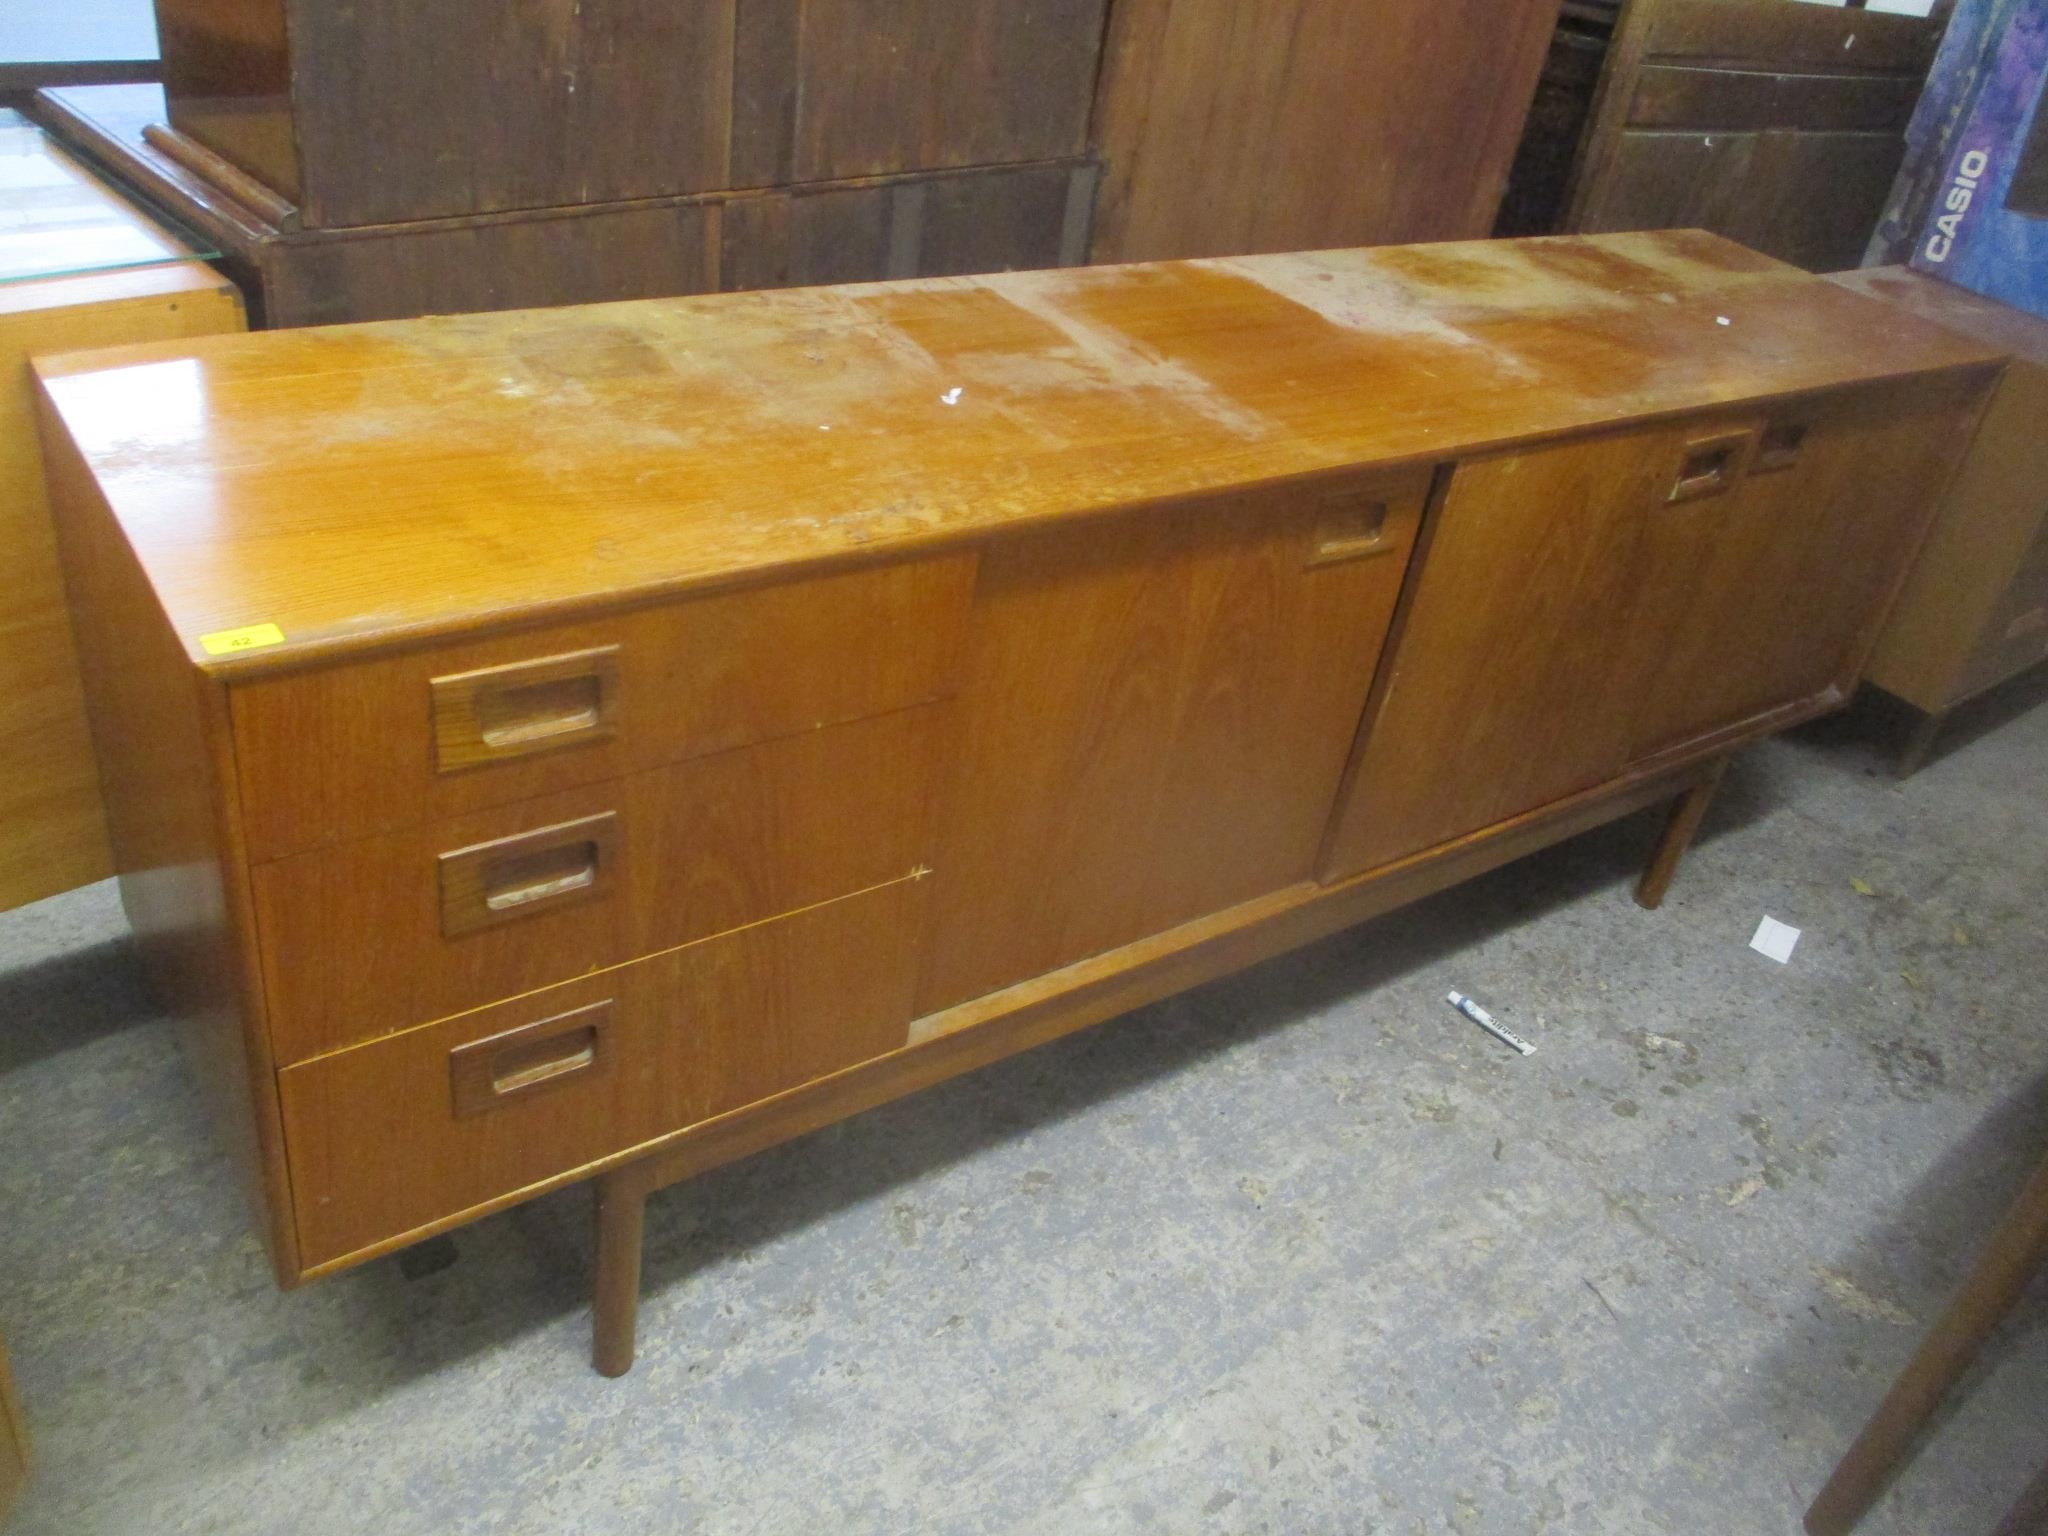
x: 621, y: 1222
x: 2008, y: 1262
x: 1680, y: 828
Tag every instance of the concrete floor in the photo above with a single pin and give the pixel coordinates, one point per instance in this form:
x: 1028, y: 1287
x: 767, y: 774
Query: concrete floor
x: 1300, y: 1252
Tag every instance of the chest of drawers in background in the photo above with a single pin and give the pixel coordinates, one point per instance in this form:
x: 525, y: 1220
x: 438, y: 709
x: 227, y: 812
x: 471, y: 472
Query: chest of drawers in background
x: 534, y: 741
x: 1974, y: 613
x: 81, y: 268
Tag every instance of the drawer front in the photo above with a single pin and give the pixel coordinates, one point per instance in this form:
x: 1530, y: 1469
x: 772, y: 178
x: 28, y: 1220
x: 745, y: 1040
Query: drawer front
x: 423, y: 1126
x: 329, y: 756
x: 407, y: 927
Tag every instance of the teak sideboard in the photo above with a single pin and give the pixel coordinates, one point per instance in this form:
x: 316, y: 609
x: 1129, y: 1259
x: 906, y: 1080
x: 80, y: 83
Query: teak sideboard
x: 605, y: 742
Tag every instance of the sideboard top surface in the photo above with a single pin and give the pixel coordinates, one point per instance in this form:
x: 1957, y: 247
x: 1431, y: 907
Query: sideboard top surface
x: 370, y: 485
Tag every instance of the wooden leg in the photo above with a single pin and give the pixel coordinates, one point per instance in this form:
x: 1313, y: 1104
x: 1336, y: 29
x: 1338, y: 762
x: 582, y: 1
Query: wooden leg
x: 1913, y: 755
x: 621, y: 1221
x: 2002, y: 1271
x: 1687, y: 811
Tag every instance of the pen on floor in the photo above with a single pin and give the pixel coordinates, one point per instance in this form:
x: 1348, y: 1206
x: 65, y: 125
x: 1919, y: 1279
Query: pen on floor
x: 1485, y: 1021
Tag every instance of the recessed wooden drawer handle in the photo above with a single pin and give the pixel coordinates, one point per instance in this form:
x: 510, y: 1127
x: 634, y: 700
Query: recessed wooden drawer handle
x: 1779, y: 447
x: 529, y: 706
x: 1350, y: 528
x: 545, y: 1054
x: 1711, y: 465
x: 527, y: 873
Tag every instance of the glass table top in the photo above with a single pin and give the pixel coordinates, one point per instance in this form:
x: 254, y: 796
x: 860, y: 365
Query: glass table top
x: 57, y: 220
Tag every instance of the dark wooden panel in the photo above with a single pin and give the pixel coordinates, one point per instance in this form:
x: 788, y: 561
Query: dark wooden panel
x: 1813, y: 198
x: 1154, y: 721
x: 413, y: 109
x: 830, y: 89
x: 1029, y: 218
x: 1298, y: 124
x: 1788, y: 33
x: 513, y: 263
x: 1670, y: 97
x: 227, y: 77
x: 785, y: 240
x: 1660, y: 180
x: 1807, y: 198
x: 937, y: 226
x: 1820, y: 94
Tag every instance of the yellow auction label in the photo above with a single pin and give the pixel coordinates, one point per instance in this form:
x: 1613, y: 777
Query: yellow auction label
x: 250, y: 637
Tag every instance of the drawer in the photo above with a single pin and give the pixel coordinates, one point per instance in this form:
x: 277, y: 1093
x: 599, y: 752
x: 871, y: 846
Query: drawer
x: 327, y: 756
x: 420, y: 1127
x: 411, y: 926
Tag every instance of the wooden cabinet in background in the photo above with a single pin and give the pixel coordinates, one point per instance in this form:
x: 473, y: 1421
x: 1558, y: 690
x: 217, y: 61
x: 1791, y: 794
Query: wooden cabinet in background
x: 916, y: 224
x: 52, y: 832
x: 1774, y: 122
x: 1974, y: 612
x: 1296, y: 124
x: 393, y: 158
x: 603, y: 742
x: 392, y: 111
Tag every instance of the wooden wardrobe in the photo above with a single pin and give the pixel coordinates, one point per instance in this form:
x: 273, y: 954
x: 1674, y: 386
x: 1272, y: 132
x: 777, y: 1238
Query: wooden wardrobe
x: 390, y: 158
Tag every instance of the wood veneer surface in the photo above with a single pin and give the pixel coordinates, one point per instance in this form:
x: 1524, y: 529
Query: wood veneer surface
x: 370, y: 485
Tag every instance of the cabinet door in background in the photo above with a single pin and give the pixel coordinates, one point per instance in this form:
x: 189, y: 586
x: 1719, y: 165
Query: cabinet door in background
x: 1293, y: 125
x: 1003, y: 219
x: 1155, y: 718
x: 828, y: 89
x: 415, y: 110
x: 435, y: 110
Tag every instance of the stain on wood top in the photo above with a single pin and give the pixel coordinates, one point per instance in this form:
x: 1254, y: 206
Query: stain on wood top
x: 369, y: 485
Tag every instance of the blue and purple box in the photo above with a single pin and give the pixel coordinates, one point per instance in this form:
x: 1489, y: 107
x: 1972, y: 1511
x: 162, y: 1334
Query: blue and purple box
x: 1978, y: 203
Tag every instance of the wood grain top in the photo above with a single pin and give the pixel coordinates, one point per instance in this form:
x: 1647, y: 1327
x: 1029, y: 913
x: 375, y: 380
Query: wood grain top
x: 365, y: 486
x: 1997, y: 325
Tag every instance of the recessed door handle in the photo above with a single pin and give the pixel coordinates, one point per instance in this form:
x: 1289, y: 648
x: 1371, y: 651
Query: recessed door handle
x: 1711, y: 465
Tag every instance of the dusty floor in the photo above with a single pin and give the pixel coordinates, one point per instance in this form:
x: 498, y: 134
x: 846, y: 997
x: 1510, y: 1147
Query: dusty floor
x: 1301, y: 1252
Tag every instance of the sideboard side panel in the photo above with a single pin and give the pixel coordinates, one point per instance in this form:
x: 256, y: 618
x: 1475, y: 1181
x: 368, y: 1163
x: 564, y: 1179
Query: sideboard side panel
x: 160, y: 735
